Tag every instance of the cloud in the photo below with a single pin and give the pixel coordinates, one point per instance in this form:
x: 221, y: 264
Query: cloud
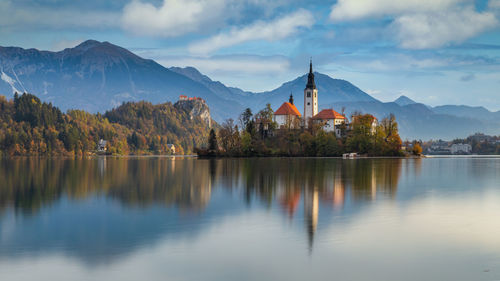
x: 437, y: 29
x: 421, y: 24
x: 494, y: 4
x: 241, y: 71
x: 412, y: 63
x: 15, y: 16
x: 260, y: 30
x: 345, y: 10
x: 172, y: 18
x: 231, y: 64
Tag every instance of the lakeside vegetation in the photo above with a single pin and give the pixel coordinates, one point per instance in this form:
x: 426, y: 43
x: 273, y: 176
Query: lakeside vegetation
x: 31, y: 127
x: 258, y: 135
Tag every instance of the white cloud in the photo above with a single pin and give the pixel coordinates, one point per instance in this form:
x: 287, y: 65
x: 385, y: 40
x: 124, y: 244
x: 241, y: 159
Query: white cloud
x: 14, y: 16
x: 174, y: 17
x: 437, y: 29
x: 422, y: 24
x: 241, y: 71
x: 494, y: 4
x: 231, y: 64
x: 260, y: 30
x: 358, y: 9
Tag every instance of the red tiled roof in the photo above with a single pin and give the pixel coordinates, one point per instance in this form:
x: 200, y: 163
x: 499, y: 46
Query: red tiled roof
x: 328, y: 114
x: 287, y: 109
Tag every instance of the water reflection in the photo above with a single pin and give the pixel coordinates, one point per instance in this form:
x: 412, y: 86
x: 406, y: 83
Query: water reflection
x: 101, y: 210
x: 166, y: 196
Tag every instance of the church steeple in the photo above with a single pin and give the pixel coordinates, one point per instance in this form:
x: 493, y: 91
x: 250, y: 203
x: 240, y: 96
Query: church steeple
x: 310, y: 96
x: 310, y: 77
x: 291, y: 98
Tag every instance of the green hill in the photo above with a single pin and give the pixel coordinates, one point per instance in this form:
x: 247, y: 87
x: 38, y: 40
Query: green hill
x: 31, y: 127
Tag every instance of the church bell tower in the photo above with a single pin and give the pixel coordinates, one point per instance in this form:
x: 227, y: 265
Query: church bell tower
x: 310, y: 97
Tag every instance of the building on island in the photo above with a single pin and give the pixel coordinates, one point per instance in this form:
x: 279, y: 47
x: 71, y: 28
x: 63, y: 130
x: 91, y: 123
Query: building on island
x: 330, y: 121
x: 288, y: 116
x: 373, y: 122
x: 310, y: 97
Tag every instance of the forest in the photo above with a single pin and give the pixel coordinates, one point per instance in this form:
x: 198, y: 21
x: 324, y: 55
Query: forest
x: 258, y: 135
x: 29, y: 126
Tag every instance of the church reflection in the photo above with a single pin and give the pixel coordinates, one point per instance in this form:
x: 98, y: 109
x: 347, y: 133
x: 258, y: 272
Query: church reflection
x: 315, y: 182
x: 303, y: 190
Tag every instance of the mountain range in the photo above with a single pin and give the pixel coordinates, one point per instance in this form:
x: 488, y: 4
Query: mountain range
x: 97, y: 76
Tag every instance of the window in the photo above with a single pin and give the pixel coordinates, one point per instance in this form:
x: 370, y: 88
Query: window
x: 308, y: 94
x: 308, y: 103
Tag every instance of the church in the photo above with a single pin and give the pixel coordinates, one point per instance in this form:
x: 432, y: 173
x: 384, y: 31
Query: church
x: 288, y: 116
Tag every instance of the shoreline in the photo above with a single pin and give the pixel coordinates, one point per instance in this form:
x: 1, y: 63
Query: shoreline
x: 251, y: 157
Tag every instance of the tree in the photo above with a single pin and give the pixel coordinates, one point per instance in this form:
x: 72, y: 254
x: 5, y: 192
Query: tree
x: 246, y: 119
x: 417, y: 149
x: 390, y: 125
x: 227, y: 134
x: 212, y: 141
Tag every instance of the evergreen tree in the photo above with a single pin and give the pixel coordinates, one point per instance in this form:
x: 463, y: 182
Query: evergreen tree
x: 212, y: 141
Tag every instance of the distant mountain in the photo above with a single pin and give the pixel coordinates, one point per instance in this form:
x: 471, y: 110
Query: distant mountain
x: 329, y: 90
x: 417, y: 121
x: 404, y: 100
x: 476, y: 112
x: 216, y: 87
x: 97, y: 76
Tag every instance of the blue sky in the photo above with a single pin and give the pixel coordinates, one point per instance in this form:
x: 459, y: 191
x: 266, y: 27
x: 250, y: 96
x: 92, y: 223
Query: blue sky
x: 434, y: 51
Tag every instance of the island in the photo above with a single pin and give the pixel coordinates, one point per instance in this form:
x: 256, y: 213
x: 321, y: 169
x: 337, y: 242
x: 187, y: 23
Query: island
x: 287, y: 132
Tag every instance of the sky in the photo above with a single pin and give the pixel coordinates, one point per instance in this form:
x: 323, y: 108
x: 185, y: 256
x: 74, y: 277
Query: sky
x: 433, y: 51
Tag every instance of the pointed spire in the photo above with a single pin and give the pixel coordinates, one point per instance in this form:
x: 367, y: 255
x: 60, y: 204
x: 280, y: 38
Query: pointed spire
x: 310, y: 77
x: 291, y: 98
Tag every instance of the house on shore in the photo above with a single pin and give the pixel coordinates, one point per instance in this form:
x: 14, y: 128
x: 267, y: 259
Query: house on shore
x: 101, y: 146
x: 461, y: 148
x: 171, y: 147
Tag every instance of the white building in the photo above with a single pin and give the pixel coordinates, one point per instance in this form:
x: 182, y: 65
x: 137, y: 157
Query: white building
x: 310, y: 97
x: 461, y: 148
x: 171, y: 147
x: 101, y: 146
x: 288, y: 116
x: 330, y: 120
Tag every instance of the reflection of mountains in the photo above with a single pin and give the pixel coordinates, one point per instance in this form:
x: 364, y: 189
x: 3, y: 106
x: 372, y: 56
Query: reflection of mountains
x: 41, y: 191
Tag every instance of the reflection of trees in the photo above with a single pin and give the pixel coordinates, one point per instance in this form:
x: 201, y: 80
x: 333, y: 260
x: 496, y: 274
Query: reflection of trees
x: 186, y: 183
x: 304, y: 184
x: 367, y: 177
x: 287, y: 178
x: 314, y: 179
x: 28, y: 183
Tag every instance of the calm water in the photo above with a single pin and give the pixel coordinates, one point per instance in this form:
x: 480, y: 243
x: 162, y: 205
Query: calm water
x: 249, y: 219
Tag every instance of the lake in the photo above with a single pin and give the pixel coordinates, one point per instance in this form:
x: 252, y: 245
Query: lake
x: 181, y: 218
